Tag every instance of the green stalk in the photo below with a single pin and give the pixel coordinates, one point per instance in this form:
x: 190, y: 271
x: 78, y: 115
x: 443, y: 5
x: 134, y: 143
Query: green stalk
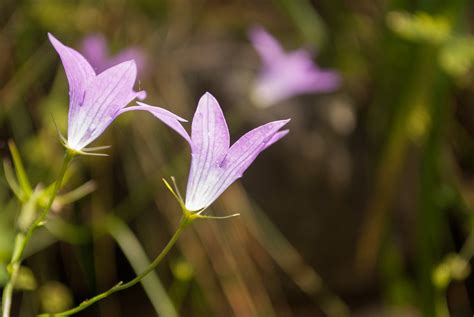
x: 23, y: 238
x: 185, y: 221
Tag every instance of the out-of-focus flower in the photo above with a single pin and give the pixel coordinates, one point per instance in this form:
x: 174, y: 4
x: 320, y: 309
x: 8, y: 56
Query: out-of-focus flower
x: 215, y: 165
x: 286, y: 74
x: 95, y: 100
x: 95, y: 50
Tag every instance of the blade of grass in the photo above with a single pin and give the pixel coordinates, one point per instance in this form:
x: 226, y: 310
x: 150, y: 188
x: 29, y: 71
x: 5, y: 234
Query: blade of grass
x: 19, y: 169
x: 139, y: 261
x: 11, y: 181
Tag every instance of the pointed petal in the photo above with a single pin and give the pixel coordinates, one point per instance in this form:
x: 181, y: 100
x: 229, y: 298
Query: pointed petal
x: 106, y: 95
x: 210, y: 142
x: 239, y: 157
x: 276, y: 137
x: 266, y: 45
x: 294, y: 74
x: 246, y: 149
x: 167, y: 117
x: 78, y: 72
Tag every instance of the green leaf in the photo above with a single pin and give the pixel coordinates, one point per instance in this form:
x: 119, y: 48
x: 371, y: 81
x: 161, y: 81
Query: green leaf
x: 28, y: 212
x: 12, y: 182
x: 74, y: 195
x: 20, y: 170
x: 307, y: 19
x: 457, y: 56
x: 419, y: 27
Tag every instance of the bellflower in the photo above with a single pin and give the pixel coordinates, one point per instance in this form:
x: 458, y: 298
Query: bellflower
x: 215, y: 165
x: 95, y: 100
x: 94, y: 48
x: 283, y: 74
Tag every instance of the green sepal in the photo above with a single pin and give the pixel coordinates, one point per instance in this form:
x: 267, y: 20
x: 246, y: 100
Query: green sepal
x: 188, y: 215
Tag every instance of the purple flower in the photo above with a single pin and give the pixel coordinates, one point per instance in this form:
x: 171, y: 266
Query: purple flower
x: 95, y: 100
x: 215, y: 165
x: 286, y: 74
x: 94, y: 48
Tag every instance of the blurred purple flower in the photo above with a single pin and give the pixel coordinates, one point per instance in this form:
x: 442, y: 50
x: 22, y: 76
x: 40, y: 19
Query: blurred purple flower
x: 215, y: 165
x: 286, y: 74
x: 94, y: 48
x: 95, y: 100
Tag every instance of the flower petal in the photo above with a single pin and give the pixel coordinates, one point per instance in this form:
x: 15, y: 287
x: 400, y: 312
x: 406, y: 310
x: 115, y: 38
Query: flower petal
x: 276, y: 137
x: 105, y: 96
x: 294, y: 74
x: 246, y: 149
x: 266, y: 45
x: 94, y: 48
x: 239, y: 157
x: 78, y: 72
x: 210, y: 142
x: 131, y: 53
x: 322, y: 81
x: 167, y: 117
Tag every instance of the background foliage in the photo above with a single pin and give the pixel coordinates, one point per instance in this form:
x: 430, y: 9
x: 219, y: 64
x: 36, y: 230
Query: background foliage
x: 370, y: 197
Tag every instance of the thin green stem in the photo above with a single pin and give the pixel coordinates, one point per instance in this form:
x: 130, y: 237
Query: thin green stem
x: 185, y: 221
x: 22, y: 239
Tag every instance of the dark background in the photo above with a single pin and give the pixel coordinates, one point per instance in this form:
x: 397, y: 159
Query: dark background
x: 365, y: 206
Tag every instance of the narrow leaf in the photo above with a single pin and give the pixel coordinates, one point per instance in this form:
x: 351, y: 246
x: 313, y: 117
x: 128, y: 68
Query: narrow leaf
x: 12, y: 182
x: 20, y: 170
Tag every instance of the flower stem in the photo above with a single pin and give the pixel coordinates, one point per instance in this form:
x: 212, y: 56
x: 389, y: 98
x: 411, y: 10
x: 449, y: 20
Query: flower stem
x: 185, y: 221
x: 23, y: 237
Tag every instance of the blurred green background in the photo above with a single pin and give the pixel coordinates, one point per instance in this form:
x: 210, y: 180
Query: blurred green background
x: 365, y: 209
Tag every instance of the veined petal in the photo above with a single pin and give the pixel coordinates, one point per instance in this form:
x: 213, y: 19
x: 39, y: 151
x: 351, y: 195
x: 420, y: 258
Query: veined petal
x: 105, y: 96
x: 266, y: 45
x: 78, y: 72
x: 210, y: 142
x: 167, y: 117
x: 239, y: 157
x: 246, y: 149
x: 276, y: 137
